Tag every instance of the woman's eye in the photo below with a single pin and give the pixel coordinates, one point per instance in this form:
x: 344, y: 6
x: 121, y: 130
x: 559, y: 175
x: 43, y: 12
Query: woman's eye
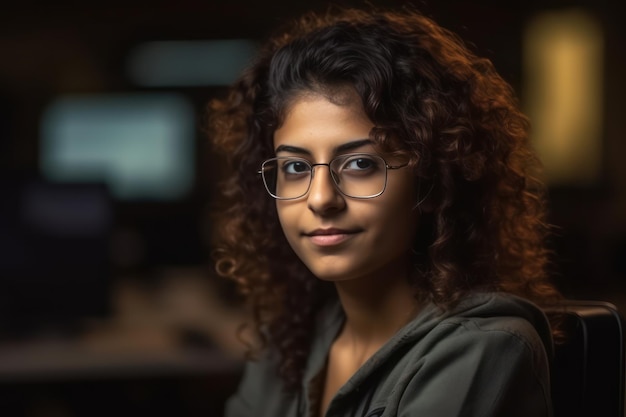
x: 295, y: 167
x: 359, y: 164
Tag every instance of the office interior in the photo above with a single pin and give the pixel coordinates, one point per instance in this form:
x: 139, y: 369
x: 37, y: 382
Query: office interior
x: 108, y: 299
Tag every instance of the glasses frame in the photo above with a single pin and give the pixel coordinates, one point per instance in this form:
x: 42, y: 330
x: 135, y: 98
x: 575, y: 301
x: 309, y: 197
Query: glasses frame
x: 312, y: 167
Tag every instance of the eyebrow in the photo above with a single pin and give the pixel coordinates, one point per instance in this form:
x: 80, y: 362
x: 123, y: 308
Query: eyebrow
x: 348, y: 146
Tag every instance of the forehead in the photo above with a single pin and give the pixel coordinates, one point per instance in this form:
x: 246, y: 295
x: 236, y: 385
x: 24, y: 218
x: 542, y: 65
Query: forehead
x: 317, y: 123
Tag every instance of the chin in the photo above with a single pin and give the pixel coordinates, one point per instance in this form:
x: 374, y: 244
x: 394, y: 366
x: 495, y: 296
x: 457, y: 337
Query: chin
x: 335, y: 274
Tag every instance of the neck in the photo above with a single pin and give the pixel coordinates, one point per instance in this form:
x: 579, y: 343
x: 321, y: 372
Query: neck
x: 377, y: 306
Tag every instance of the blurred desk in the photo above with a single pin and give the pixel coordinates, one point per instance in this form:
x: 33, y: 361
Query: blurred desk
x: 168, y: 349
x: 69, y: 379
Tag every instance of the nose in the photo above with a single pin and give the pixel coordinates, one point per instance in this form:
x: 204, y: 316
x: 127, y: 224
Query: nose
x: 323, y: 196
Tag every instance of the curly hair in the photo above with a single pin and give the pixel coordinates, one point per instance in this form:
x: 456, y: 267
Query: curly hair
x: 431, y: 99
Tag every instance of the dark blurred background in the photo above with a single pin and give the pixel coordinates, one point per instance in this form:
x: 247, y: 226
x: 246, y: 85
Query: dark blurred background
x: 107, y: 298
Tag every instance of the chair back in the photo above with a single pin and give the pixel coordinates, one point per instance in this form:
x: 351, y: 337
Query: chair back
x: 588, y: 368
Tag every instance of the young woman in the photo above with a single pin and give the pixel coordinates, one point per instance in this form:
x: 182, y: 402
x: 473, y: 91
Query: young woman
x: 384, y: 220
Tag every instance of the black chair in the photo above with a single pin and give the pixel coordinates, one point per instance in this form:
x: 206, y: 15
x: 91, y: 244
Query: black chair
x: 588, y: 367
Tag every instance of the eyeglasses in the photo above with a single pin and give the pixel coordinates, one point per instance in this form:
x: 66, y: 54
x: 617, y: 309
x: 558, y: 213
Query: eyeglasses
x: 358, y: 175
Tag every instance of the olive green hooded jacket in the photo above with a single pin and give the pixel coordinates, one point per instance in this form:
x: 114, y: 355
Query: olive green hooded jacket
x: 487, y: 357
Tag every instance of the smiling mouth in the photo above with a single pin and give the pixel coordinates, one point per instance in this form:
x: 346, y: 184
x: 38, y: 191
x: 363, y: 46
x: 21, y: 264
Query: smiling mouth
x: 330, y: 237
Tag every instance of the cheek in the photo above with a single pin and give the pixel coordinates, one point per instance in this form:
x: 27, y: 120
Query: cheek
x: 400, y: 215
x: 287, y: 215
x: 399, y: 223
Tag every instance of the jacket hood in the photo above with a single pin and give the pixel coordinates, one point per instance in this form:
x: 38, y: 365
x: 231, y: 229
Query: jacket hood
x: 483, y: 305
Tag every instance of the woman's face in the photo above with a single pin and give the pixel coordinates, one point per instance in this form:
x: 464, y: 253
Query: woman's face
x: 337, y: 237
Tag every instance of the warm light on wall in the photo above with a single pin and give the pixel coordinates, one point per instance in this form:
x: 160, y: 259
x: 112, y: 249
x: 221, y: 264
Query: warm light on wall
x: 563, y: 94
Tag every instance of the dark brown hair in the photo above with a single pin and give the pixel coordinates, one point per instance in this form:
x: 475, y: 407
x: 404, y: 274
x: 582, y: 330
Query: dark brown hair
x: 429, y: 98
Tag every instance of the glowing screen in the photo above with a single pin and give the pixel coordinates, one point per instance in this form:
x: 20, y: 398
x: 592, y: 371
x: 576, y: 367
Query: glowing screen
x: 140, y: 145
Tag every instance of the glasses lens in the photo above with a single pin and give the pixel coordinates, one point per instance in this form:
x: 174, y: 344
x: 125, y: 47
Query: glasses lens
x: 360, y: 175
x: 287, y: 177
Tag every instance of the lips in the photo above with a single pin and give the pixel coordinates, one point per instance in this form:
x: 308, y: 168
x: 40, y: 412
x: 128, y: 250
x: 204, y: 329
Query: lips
x: 330, y: 236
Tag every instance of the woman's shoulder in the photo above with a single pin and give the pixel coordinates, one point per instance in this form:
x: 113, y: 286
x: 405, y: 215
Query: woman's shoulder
x: 489, y: 350
x: 494, y: 320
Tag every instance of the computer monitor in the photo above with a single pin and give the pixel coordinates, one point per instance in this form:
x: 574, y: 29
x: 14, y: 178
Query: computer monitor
x: 140, y: 144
